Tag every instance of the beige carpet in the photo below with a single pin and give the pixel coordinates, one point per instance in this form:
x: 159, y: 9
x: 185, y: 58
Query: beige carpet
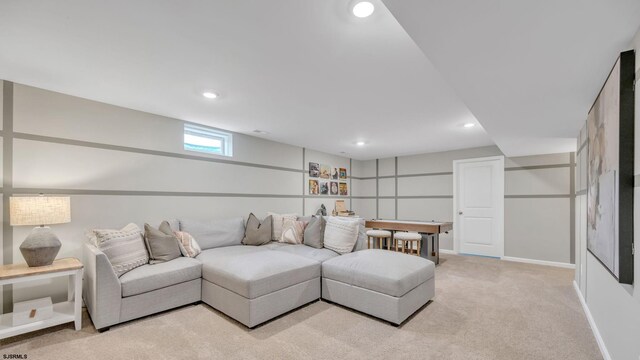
x: 483, y: 309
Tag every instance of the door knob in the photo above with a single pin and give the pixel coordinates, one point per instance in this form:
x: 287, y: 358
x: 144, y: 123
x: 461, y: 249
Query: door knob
x: 459, y: 212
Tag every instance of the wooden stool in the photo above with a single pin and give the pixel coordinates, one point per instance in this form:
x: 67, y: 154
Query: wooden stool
x: 408, y: 238
x: 380, y: 235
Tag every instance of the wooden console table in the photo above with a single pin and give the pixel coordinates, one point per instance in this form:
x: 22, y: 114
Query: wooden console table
x: 431, y: 229
x: 63, y: 312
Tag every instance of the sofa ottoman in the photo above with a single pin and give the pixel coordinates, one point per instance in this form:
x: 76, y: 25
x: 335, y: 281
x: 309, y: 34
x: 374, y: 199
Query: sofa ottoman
x: 388, y: 285
x: 253, y: 284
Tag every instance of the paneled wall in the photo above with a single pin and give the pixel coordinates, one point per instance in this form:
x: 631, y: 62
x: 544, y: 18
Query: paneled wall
x: 539, y: 209
x: 120, y: 165
x: 614, y: 308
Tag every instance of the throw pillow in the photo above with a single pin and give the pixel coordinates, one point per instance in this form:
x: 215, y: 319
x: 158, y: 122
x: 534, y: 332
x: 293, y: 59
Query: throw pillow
x: 314, y: 232
x: 161, y: 243
x: 124, y: 248
x: 256, y: 232
x: 340, y: 235
x: 278, y: 222
x: 188, y: 245
x: 293, y: 232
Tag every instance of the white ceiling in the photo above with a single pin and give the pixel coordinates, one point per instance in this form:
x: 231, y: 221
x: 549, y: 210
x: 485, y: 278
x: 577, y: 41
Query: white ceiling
x: 529, y: 70
x: 313, y: 75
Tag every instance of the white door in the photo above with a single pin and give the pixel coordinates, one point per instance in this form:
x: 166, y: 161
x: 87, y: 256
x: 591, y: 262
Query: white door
x: 479, y: 206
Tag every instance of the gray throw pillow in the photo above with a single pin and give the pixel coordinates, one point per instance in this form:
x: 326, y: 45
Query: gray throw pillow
x: 314, y: 232
x: 161, y: 243
x: 256, y: 232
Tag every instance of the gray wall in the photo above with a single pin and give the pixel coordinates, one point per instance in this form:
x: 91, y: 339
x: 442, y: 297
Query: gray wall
x: 538, y: 197
x: 615, y: 307
x: 120, y: 165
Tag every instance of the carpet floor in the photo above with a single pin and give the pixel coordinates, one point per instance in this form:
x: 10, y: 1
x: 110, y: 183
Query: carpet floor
x: 483, y: 309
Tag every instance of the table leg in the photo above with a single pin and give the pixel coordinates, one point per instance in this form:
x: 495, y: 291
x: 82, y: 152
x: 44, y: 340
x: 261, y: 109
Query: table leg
x: 436, y: 247
x: 78, y: 299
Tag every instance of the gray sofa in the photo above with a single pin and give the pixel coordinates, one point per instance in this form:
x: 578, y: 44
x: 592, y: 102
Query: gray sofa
x: 254, y: 284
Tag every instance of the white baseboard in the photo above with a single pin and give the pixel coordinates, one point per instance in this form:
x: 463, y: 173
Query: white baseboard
x: 592, y: 324
x: 540, y: 262
x: 447, y: 251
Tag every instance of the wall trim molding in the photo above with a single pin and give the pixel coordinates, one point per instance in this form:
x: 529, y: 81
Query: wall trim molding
x: 95, y: 145
x: 7, y: 186
x: 592, y: 323
x: 548, y: 196
x: 540, y: 262
x: 636, y: 181
x: 538, y: 167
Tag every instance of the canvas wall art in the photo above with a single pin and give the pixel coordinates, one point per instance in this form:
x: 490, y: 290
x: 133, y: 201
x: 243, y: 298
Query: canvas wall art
x: 333, y: 188
x: 324, y: 188
x: 314, y: 170
x: 343, y: 174
x: 344, y: 191
x: 610, y: 131
x: 314, y: 188
x: 325, y: 171
x: 334, y: 173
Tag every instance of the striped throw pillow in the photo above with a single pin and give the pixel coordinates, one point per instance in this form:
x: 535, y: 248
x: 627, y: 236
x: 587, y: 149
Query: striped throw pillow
x: 188, y: 245
x: 124, y: 248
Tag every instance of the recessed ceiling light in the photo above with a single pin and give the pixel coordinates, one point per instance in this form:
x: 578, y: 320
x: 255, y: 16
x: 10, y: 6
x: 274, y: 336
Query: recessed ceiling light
x: 360, y: 143
x: 209, y: 94
x: 260, y: 132
x: 469, y: 125
x: 363, y: 9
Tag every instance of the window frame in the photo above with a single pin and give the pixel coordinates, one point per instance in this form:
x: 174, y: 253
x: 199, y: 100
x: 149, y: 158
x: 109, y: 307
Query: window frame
x: 225, y: 138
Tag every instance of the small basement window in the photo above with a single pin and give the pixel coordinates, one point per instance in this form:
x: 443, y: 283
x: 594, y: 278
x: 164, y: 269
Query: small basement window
x: 207, y: 140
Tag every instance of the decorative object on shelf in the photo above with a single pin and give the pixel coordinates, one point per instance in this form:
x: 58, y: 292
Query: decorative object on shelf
x: 322, y: 211
x: 314, y: 170
x: 30, y: 311
x: 610, y: 136
x: 42, y: 245
x: 340, y: 209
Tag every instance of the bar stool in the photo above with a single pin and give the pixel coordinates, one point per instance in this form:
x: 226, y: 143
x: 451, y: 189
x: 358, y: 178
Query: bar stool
x: 380, y: 235
x: 408, y: 238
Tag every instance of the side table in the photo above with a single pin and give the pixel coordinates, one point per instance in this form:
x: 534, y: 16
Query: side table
x: 63, y: 312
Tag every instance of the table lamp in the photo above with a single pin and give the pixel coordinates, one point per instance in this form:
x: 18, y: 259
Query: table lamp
x: 42, y: 245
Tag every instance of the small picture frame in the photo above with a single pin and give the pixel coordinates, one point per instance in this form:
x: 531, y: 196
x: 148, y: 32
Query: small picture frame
x: 333, y: 188
x: 325, y: 171
x: 324, y: 188
x: 344, y: 190
x: 314, y: 188
x: 343, y: 174
x: 314, y: 170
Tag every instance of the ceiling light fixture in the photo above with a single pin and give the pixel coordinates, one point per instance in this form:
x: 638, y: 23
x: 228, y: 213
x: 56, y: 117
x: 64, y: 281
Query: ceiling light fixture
x: 363, y: 9
x: 260, y: 132
x: 469, y: 125
x: 209, y: 94
x: 360, y: 143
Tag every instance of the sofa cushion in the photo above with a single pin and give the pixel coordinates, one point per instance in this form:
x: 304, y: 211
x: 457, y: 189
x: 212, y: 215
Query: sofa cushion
x: 255, y: 272
x: 257, y: 232
x: 383, y: 271
x: 278, y: 223
x: 161, y: 243
x: 153, y: 277
x: 308, y: 252
x: 124, y: 248
x: 341, y: 235
x: 215, y: 233
x: 314, y: 232
x: 293, y: 231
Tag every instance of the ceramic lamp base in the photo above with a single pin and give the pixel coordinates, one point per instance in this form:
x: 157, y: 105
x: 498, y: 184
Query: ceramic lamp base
x: 40, y: 247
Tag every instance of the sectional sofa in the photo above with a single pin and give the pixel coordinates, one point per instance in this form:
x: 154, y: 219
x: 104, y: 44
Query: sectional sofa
x: 253, y: 284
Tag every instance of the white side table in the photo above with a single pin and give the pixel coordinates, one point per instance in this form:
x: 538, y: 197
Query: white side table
x: 63, y: 312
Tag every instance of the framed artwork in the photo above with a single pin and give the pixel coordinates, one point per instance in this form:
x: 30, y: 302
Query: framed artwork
x: 334, y: 173
x: 610, y: 174
x: 343, y: 189
x: 314, y: 188
x: 314, y: 170
x: 343, y: 174
x: 325, y: 171
x: 333, y: 188
x: 324, y: 188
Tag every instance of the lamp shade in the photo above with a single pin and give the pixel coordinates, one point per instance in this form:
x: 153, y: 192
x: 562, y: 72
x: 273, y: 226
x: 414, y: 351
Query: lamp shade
x: 40, y: 210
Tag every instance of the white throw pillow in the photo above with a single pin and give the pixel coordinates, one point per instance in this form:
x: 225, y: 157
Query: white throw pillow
x: 340, y: 235
x: 124, y: 248
x: 278, y: 223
